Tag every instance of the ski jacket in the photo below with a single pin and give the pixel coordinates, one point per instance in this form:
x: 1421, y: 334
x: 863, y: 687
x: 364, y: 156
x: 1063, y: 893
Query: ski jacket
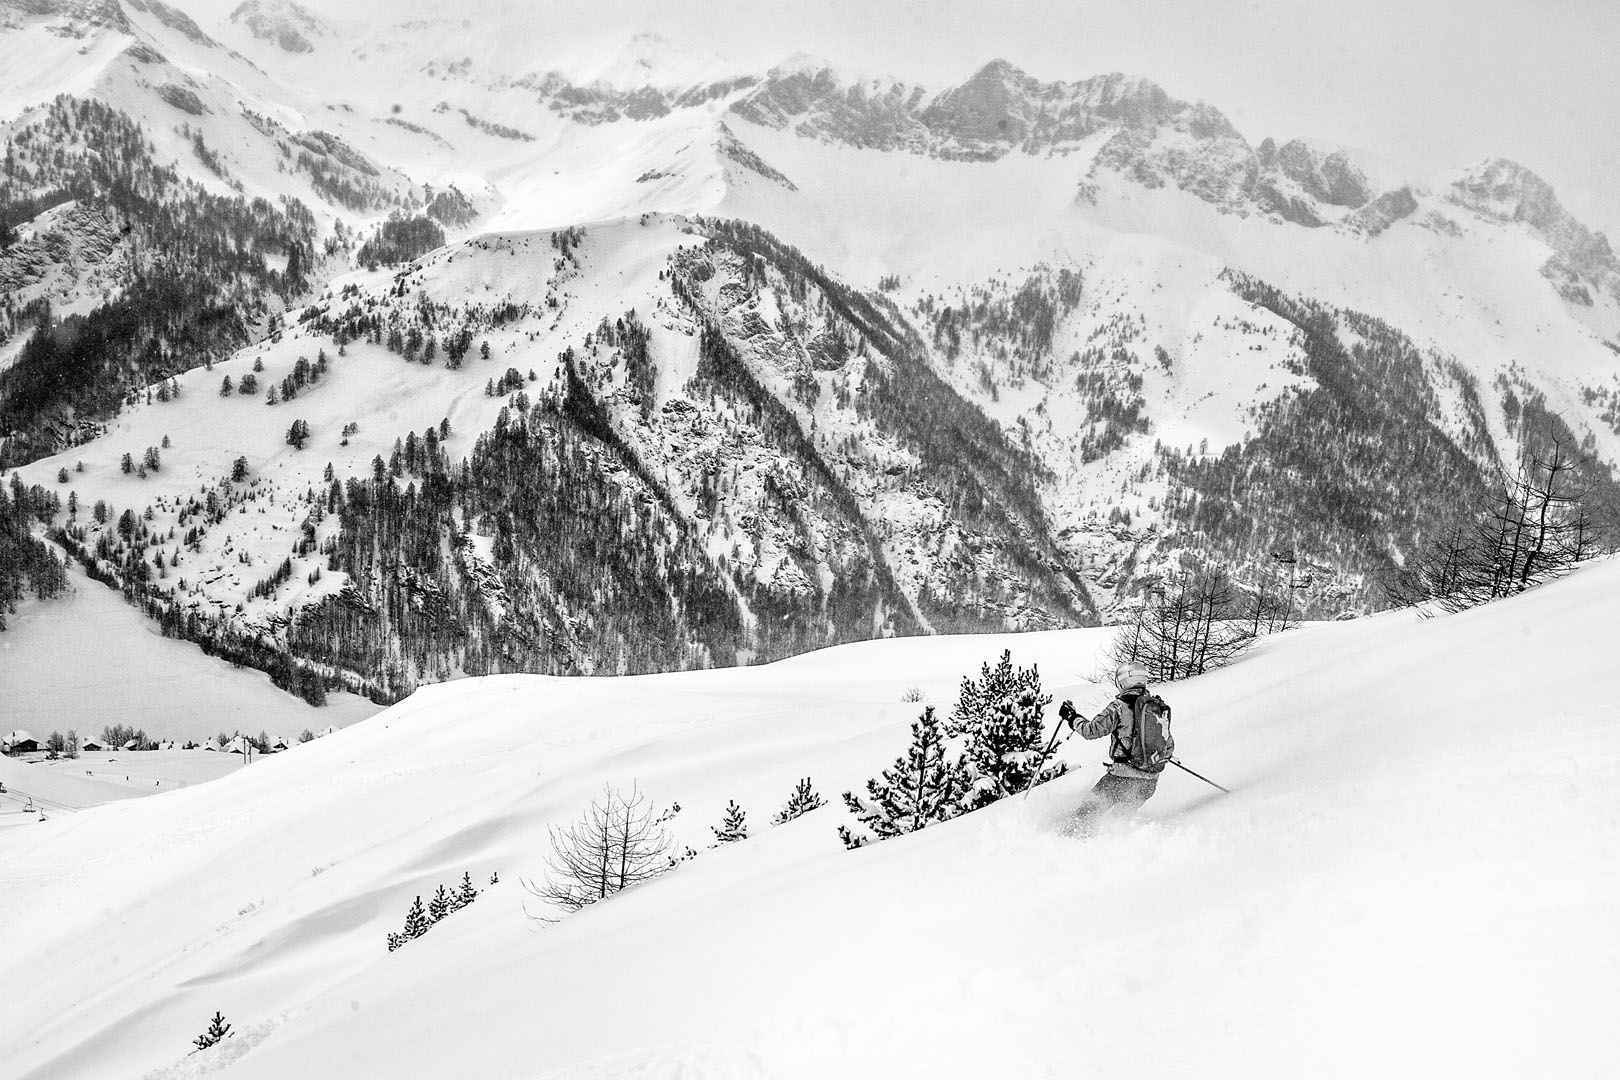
x: 1115, y: 720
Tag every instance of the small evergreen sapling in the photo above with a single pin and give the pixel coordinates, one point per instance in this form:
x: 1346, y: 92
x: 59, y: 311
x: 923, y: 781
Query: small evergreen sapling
x: 466, y: 894
x: 803, y: 800
x: 218, y: 1030
x: 439, y: 906
x: 733, y: 825
x: 416, y: 920
x: 917, y: 790
x: 395, y: 940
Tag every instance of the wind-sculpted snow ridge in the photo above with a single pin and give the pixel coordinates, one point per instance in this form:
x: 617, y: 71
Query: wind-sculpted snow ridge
x: 1260, y: 928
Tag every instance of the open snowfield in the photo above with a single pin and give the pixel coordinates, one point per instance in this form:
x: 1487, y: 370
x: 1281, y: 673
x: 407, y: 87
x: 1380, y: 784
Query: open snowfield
x: 1416, y: 875
x: 67, y: 786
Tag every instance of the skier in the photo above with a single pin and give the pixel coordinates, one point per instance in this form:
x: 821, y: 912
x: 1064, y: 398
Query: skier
x: 1139, y: 748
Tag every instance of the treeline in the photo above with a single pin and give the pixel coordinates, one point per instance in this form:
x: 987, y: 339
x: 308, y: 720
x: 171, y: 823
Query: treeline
x: 401, y: 238
x: 1351, y: 471
x: 1536, y: 525
x: 26, y: 563
x: 585, y: 573
x: 1189, y: 624
x: 1017, y: 330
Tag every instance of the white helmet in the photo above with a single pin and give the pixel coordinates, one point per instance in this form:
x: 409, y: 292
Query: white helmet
x: 1134, y: 677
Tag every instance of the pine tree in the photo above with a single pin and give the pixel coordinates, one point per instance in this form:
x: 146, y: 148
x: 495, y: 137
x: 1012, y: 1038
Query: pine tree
x: 239, y: 470
x: 416, y: 920
x: 803, y: 800
x: 733, y: 825
x: 218, y: 1030
x: 439, y: 906
x: 466, y: 894
x: 226, y: 387
x: 127, y: 463
x: 395, y: 940
x: 1000, y: 717
x: 917, y: 790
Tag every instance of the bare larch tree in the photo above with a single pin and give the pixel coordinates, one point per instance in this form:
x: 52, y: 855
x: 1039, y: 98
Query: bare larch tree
x: 620, y: 842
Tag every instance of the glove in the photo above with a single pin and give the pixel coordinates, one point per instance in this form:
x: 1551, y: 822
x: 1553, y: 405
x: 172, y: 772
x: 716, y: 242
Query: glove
x: 1066, y: 713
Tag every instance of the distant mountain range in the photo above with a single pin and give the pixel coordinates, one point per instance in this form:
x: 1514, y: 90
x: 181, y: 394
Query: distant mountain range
x: 630, y: 360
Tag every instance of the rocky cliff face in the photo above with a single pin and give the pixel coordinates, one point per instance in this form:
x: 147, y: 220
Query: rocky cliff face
x: 1507, y: 191
x: 1146, y: 136
x: 79, y: 17
x: 70, y: 255
x: 283, y: 23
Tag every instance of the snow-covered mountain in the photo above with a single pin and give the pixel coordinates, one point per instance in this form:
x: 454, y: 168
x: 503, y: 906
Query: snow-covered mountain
x: 1368, y: 894
x: 774, y: 358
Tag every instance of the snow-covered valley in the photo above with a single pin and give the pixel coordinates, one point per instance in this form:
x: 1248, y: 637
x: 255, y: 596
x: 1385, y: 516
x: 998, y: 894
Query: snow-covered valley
x: 1417, y: 866
x: 494, y: 419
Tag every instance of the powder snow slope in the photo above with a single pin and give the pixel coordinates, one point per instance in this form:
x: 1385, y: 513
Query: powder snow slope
x: 1415, y: 875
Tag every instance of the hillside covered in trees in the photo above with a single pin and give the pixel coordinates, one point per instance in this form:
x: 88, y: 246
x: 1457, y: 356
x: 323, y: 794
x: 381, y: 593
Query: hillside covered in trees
x: 496, y: 371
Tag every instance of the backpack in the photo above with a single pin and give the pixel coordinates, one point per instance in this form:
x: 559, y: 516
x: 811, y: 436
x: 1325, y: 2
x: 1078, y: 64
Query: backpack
x: 1148, y: 746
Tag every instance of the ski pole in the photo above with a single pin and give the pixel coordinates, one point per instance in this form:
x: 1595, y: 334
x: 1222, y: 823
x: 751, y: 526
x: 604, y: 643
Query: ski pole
x: 1051, y: 744
x: 1205, y: 779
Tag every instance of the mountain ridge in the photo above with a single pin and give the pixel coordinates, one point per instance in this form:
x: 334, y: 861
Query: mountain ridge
x: 1096, y: 369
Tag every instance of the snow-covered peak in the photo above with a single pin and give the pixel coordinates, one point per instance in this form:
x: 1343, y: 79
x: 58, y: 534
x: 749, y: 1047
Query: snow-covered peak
x: 1507, y: 191
x: 644, y: 60
x: 172, y: 18
x: 284, y: 23
x: 800, y: 63
x: 79, y: 17
x: 1328, y: 176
